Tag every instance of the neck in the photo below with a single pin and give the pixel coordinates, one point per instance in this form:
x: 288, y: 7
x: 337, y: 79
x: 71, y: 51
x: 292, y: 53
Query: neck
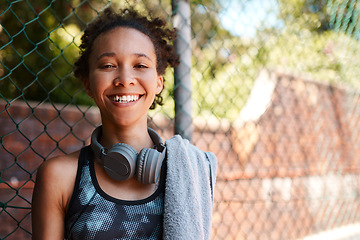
x: 137, y: 137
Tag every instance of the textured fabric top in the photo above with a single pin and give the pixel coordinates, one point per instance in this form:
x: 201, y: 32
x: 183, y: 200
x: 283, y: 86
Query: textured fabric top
x: 95, y: 215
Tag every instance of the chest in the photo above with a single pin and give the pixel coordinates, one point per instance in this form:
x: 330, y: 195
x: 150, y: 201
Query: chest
x: 94, y: 214
x: 129, y: 190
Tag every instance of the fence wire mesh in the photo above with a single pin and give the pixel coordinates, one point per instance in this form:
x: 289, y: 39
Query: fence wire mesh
x: 275, y: 96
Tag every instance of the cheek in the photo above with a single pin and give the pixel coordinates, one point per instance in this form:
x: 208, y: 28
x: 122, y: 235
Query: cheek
x: 99, y: 80
x: 152, y: 80
x: 94, y: 86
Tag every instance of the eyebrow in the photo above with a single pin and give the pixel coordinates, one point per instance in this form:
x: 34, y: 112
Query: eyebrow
x: 112, y: 54
x: 143, y: 55
x: 107, y: 54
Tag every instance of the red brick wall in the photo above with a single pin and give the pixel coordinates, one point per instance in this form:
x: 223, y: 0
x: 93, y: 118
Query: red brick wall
x: 29, y: 134
x: 298, y: 162
x: 289, y: 173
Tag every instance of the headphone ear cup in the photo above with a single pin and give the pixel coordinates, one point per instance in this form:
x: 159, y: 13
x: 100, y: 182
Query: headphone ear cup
x: 120, y: 162
x: 149, y: 165
x: 140, y: 164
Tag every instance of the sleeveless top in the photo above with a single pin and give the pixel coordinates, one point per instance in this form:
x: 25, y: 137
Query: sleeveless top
x: 93, y: 214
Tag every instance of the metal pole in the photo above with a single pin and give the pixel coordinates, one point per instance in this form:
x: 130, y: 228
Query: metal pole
x: 182, y: 73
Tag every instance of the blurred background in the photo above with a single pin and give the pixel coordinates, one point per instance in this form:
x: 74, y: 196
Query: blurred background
x: 274, y: 94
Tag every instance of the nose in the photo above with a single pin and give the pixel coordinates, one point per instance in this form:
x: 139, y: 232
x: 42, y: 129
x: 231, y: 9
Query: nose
x: 124, y: 78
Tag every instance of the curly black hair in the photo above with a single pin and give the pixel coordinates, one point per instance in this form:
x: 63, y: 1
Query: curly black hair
x: 155, y: 29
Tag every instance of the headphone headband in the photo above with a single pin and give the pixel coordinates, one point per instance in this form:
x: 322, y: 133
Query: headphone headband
x: 101, y: 151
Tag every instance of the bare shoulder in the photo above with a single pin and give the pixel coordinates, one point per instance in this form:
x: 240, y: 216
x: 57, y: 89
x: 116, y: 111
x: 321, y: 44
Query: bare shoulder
x: 60, y: 167
x: 54, y: 186
x: 58, y: 174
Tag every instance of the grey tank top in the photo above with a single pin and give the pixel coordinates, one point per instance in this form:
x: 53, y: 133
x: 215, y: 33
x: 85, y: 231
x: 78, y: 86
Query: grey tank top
x: 93, y: 214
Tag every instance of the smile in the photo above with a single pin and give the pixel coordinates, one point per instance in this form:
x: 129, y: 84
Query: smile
x: 124, y: 98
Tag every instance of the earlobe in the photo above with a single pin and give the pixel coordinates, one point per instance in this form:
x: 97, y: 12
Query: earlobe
x: 87, y: 87
x: 160, y: 84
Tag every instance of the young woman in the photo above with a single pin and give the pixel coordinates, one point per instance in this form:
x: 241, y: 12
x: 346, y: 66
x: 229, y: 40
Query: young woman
x: 127, y: 184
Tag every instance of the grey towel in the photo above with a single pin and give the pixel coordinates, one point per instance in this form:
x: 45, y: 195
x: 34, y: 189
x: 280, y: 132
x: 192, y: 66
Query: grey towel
x: 188, y: 191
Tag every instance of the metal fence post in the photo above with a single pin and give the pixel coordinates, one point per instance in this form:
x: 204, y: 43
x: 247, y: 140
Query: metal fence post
x: 182, y: 73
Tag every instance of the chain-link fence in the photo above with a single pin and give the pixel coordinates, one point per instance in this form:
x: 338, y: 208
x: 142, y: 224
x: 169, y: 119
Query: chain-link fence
x: 274, y: 95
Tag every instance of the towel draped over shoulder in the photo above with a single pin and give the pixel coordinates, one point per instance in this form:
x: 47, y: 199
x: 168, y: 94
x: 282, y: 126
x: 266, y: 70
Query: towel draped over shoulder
x: 189, y: 190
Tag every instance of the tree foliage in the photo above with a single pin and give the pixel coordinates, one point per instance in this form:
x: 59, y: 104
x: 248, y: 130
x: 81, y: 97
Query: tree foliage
x: 39, y: 43
x: 316, y: 39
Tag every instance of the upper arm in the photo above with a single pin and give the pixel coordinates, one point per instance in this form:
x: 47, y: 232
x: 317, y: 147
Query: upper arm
x: 53, y: 188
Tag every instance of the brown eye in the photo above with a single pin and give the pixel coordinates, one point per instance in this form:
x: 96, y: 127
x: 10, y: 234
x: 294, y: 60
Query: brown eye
x: 141, y: 66
x: 107, y: 66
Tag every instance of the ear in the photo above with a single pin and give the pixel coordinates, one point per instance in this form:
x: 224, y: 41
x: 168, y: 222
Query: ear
x: 87, y: 87
x: 160, y: 84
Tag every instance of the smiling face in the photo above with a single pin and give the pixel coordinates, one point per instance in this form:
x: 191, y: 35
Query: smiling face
x: 122, y: 76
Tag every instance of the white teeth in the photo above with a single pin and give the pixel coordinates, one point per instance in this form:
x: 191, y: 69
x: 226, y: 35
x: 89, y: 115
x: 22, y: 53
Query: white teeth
x: 124, y: 99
